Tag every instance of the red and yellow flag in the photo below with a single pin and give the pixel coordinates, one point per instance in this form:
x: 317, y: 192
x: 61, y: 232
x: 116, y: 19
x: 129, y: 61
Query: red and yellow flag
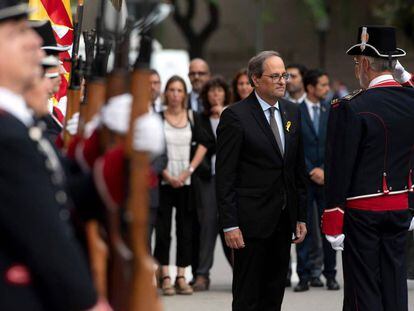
x: 60, y: 15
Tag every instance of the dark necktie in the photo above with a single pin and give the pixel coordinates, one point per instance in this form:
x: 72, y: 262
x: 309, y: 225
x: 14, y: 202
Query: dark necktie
x: 275, y: 129
x: 316, y: 118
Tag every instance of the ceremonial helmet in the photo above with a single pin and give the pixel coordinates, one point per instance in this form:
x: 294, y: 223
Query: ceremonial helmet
x: 376, y: 41
x: 13, y: 9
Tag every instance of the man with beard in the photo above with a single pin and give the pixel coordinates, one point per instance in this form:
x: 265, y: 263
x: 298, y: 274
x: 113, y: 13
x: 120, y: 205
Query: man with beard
x: 295, y: 90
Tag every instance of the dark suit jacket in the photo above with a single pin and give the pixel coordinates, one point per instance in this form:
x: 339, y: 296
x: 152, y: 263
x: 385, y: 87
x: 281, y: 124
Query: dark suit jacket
x: 254, y: 181
x: 313, y: 143
x: 34, y: 228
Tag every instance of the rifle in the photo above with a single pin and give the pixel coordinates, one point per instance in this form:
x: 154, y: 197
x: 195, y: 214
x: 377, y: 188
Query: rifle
x: 94, y: 99
x: 120, y: 263
x: 74, y: 89
x: 143, y: 295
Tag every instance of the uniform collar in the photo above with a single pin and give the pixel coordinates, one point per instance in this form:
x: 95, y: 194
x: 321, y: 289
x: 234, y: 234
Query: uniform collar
x: 383, y: 81
x: 264, y: 104
x: 15, y: 105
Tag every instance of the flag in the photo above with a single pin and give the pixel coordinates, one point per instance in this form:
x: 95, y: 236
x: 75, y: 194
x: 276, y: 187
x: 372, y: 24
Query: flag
x: 60, y: 15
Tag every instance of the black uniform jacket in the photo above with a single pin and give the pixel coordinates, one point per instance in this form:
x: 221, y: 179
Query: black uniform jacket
x: 370, y: 144
x: 41, y: 264
x: 254, y: 181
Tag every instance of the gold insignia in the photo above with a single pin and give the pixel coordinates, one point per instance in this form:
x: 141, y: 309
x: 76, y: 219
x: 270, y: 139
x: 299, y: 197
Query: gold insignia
x: 288, y: 125
x: 353, y: 94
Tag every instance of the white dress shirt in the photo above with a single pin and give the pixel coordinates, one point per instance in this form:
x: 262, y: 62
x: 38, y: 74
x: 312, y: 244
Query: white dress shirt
x: 278, y: 117
x: 194, y: 97
x: 310, y: 106
x: 16, y: 106
x: 296, y: 101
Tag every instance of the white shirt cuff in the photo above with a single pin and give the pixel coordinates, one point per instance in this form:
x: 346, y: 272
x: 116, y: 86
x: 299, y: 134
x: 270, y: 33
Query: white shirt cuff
x: 230, y: 229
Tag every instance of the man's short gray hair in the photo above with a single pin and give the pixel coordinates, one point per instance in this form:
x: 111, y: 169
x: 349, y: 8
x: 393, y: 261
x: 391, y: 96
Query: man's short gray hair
x: 381, y: 64
x: 255, y: 66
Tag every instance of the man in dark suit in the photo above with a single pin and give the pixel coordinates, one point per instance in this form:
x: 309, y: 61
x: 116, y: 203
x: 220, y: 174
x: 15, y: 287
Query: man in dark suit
x: 314, y: 112
x: 261, y: 190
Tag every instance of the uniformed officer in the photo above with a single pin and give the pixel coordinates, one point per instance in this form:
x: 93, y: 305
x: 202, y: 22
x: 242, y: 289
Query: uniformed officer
x: 55, y: 118
x: 369, y: 162
x: 41, y: 264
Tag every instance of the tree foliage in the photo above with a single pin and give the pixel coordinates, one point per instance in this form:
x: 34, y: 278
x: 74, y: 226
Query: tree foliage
x: 399, y: 13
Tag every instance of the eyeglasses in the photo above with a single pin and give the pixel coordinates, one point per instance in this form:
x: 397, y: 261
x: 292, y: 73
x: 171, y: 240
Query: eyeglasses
x: 277, y: 77
x: 197, y: 73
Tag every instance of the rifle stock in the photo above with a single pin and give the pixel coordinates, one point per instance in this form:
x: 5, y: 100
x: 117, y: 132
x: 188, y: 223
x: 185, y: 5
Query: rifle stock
x: 143, y: 296
x: 73, y: 103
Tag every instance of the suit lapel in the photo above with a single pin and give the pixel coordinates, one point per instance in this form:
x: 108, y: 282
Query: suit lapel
x: 306, y: 117
x: 286, y: 124
x: 323, y: 118
x: 260, y: 117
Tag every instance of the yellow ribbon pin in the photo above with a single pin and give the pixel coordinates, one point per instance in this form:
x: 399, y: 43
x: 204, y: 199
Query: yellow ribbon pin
x: 288, y: 124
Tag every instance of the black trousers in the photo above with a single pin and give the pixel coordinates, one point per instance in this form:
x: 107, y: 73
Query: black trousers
x: 169, y: 198
x: 374, y: 260
x: 260, y: 270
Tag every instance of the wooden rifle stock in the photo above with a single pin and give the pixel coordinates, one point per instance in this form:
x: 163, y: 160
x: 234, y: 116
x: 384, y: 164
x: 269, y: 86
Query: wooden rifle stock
x: 97, y: 248
x: 73, y: 106
x: 121, y: 257
x: 143, y: 296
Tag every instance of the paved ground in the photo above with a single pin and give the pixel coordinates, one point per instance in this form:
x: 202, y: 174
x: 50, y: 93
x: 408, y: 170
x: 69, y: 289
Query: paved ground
x: 219, y: 296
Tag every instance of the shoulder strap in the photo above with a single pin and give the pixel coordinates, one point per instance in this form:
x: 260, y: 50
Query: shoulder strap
x: 191, y: 117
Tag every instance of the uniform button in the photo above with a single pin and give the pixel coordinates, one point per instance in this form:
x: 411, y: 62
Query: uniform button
x: 378, y: 191
x: 48, y: 164
x: 56, y: 180
x: 64, y: 215
x: 390, y: 188
x: 61, y: 197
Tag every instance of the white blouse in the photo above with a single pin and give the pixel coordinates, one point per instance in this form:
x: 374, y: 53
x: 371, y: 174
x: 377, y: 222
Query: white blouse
x: 178, y: 140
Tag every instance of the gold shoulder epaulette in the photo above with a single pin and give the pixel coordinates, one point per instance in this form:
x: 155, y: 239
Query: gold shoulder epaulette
x: 353, y: 94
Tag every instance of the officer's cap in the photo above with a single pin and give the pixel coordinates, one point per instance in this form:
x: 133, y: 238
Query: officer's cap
x: 45, y: 31
x: 376, y: 41
x: 13, y: 9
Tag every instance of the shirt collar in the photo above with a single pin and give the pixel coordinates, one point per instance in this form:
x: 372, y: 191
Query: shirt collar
x: 16, y: 106
x: 265, y: 106
x: 296, y: 101
x: 311, y: 104
x: 380, y: 79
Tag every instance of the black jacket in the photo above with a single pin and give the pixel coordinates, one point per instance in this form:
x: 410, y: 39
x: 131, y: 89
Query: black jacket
x: 370, y: 144
x: 253, y: 181
x: 34, y: 226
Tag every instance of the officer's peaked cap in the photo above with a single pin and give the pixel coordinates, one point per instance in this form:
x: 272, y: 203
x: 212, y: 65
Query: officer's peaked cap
x: 13, y: 9
x: 376, y: 41
x: 45, y: 31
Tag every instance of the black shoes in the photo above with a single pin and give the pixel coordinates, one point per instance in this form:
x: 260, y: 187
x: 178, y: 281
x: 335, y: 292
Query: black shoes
x: 316, y: 282
x: 332, y: 284
x: 302, y: 286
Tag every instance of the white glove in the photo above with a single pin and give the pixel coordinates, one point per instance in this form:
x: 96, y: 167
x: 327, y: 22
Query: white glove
x: 337, y: 241
x: 411, y: 225
x: 149, y: 134
x: 72, y: 124
x: 116, y: 114
x: 92, y: 125
x: 400, y: 74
